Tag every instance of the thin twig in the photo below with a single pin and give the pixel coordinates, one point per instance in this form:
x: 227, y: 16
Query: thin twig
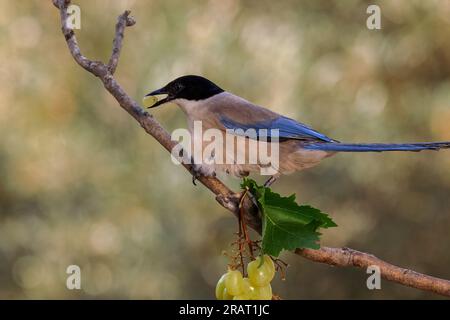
x: 124, y: 20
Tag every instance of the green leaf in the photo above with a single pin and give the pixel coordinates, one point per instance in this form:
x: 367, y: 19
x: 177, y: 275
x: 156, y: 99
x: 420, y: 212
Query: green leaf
x: 287, y: 225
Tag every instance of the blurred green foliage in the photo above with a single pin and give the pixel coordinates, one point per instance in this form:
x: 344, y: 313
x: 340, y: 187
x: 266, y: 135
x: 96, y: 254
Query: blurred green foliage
x: 81, y: 183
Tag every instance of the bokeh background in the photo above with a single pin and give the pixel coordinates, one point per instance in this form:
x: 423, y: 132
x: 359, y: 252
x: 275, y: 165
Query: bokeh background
x: 81, y: 183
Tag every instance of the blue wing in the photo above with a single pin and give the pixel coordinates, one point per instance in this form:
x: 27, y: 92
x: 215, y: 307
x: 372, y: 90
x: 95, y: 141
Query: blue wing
x: 288, y: 129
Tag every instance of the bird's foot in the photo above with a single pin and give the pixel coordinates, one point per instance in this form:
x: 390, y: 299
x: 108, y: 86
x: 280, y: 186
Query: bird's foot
x: 201, y: 171
x: 195, y: 177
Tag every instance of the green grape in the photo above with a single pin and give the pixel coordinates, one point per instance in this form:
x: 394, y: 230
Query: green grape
x: 263, y: 293
x: 234, y: 282
x: 226, y: 295
x: 259, y: 274
x: 247, y: 287
x: 220, y: 287
x: 243, y: 297
x: 270, y: 264
x: 149, y: 101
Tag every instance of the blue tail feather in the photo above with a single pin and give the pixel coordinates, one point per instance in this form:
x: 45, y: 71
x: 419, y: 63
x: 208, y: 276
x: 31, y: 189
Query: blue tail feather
x: 376, y: 147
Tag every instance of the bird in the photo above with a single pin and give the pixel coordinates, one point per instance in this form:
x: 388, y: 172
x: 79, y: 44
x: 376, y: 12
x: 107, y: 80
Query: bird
x: 300, y: 146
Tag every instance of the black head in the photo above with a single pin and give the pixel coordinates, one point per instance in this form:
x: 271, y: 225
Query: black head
x: 187, y: 87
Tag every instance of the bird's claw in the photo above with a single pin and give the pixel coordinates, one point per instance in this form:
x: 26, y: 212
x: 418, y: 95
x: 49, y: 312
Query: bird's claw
x: 195, y: 177
x: 197, y: 172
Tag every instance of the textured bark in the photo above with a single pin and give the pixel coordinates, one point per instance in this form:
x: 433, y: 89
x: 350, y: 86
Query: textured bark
x: 346, y: 257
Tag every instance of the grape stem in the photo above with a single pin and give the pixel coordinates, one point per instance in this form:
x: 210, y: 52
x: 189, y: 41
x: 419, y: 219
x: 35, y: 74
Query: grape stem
x: 281, y: 267
x: 243, y: 237
x: 243, y: 225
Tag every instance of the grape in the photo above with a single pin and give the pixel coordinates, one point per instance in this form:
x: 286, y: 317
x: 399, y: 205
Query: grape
x: 261, y: 274
x: 242, y: 297
x: 234, y: 282
x: 269, y: 262
x: 263, y: 293
x: 149, y: 101
x: 232, y: 285
x: 226, y: 295
x: 247, y: 287
x: 220, y: 287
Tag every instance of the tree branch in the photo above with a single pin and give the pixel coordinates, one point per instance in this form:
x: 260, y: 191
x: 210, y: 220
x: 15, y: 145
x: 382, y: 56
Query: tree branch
x: 124, y: 20
x: 342, y: 257
x: 346, y: 257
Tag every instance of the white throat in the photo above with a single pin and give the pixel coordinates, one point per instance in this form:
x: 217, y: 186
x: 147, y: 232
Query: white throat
x: 193, y: 106
x: 188, y: 106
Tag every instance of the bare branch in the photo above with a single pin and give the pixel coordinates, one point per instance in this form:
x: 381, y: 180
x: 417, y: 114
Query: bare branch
x: 124, y: 20
x: 95, y: 67
x: 342, y: 257
x: 346, y: 257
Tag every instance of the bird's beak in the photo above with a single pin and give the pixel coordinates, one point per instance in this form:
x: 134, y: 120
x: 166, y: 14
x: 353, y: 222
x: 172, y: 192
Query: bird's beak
x: 159, y: 92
